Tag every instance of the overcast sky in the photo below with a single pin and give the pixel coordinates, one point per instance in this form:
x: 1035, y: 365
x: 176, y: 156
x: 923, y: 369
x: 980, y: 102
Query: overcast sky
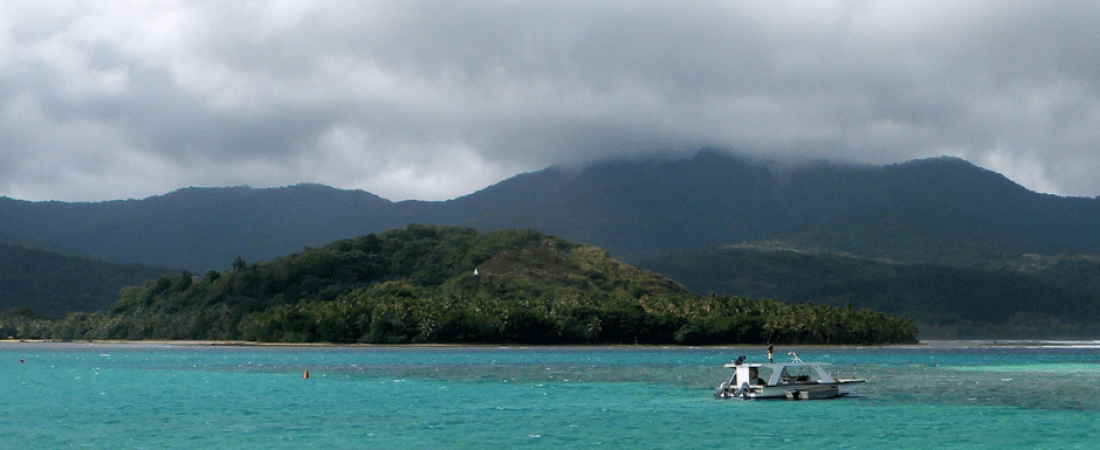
x: 432, y: 100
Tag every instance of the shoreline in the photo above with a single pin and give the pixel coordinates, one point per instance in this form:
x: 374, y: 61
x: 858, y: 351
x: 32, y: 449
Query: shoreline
x: 214, y: 343
x: 932, y: 343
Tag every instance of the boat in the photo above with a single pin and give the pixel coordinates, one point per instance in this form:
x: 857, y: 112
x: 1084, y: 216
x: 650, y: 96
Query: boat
x: 794, y: 380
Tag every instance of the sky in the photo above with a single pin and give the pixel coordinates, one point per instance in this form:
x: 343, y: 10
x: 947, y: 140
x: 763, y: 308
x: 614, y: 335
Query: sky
x: 432, y: 100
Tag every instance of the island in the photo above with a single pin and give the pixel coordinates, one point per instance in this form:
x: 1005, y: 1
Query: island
x: 426, y: 284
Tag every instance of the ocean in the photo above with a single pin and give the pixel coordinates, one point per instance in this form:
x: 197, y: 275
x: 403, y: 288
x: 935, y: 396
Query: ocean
x: 953, y: 395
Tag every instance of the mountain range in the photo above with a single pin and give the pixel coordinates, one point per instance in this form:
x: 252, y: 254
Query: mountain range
x: 940, y: 212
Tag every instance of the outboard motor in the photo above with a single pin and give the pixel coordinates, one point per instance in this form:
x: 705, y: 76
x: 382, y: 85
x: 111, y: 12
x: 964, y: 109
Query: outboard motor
x: 720, y: 391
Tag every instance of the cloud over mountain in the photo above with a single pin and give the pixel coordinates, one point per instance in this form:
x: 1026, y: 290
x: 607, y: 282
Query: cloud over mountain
x: 432, y: 100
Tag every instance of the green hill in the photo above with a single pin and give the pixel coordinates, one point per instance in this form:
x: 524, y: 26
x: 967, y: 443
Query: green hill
x: 424, y: 284
x: 37, y: 282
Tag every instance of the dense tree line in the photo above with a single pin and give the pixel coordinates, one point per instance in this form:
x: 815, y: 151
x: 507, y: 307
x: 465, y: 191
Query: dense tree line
x: 418, y: 285
x: 387, y: 315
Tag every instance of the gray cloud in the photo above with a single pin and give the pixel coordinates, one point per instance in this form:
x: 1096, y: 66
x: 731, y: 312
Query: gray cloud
x: 433, y: 99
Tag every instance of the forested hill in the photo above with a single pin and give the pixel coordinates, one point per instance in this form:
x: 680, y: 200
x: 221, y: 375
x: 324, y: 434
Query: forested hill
x: 447, y: 284
x: 936, y: 211
x: 1039, y: 298
x: 36, y: 282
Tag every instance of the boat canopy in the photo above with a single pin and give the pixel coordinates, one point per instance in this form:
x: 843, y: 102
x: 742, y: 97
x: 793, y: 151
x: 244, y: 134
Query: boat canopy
x: 776, y: 374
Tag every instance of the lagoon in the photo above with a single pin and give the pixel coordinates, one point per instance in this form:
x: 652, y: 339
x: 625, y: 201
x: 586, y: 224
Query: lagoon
x: 972, y: 395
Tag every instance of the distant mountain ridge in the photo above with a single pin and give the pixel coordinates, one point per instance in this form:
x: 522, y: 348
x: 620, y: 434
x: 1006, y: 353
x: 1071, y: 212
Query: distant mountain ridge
x: 986, y: 252
x: 197, y: 228
x: 940, y: 210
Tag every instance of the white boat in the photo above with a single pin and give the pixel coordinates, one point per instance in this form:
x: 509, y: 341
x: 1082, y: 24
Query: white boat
x: 795, y: 380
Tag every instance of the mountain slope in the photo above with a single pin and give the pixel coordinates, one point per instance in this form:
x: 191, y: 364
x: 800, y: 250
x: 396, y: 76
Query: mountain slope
x: 941, y: 210
x: 200, y: 228
x: 945, y: 302
x: 51, y: 284
x: 632, y: 206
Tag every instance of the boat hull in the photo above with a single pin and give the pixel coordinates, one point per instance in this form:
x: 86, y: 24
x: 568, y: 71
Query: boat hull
x: 792, y: 391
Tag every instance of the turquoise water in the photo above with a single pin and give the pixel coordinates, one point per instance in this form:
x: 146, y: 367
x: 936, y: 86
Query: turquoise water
x: 946, y: 395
